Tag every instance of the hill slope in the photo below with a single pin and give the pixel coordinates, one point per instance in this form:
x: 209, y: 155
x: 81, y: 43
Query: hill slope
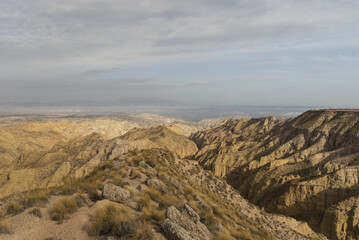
x: 148, y: 194
x: 306, y: 167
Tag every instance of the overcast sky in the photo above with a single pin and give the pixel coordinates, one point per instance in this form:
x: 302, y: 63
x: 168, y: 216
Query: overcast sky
x: 251, y: 52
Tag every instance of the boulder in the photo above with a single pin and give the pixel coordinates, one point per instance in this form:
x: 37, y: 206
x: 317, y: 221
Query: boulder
x: 190, y: 213
x: 147, y: 167
x: 157, y: 184
x: 115, y: 193
x: 173, y: 231
x: 201, y: 203
x: 180, y: 222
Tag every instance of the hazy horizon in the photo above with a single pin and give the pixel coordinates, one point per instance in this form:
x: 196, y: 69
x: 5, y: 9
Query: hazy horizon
x: 194, y: 53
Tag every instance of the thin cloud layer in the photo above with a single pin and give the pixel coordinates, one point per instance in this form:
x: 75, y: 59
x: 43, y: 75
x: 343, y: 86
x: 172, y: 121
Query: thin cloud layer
x: 80, y: 40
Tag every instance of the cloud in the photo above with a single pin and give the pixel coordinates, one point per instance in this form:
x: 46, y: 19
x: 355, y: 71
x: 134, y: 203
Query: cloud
x: 84, y: 46
x: 81, y: 35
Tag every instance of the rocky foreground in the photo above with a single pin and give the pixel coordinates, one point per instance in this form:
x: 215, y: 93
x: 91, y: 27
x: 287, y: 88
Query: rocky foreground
x: 148, y: 194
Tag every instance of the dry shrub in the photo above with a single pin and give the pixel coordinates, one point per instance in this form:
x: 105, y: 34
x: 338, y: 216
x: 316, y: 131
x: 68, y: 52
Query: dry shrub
x: 113, y: 219
x: 143, y: 202
x: 36, y: 212
x: 153, y: 214
x: 164, y: 200
x: 63, y: 207
x: 135, y: 174
x: 36, y: 198
x: 118, y: 181
x: 14, y: 208
x: 5, y: 227
x: 223, y: 236
x: 144, y: 231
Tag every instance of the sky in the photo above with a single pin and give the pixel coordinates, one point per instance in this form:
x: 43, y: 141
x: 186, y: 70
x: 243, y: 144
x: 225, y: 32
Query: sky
x: 246, y: 52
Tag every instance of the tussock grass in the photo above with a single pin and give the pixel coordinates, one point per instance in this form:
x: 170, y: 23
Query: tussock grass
x: 164, y: 200
x: 32, y: 198
x: 113, y: 219
x: 223, y: 236
x: 36, y: 212
x: 118, y: 181
x: 143, y: 202
x: 14, y: 208
x: 63, y: 207
x: 5, y: 227
x: 153, y: 214
x: 144, y: 231
x: 135, y: 174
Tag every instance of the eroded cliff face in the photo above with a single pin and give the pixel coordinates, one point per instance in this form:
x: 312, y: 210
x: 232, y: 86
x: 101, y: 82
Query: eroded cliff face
x: 306, y: 167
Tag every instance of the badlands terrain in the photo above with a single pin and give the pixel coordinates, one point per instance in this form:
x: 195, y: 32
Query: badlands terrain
x: 144, y: 176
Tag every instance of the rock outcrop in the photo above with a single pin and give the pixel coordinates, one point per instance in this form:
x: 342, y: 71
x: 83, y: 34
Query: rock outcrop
x: 115, y: 193
x: 180, y: 227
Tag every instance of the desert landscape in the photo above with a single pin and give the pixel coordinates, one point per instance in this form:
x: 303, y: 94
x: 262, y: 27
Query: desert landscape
x: 179, y: 120
x: 144, y: 176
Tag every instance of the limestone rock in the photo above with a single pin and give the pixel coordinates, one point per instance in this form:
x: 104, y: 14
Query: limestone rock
x: 157, y: 184
x: 147, y: 167
x: 196, y: 230
x: 115, y: 193
x: 174, y: 232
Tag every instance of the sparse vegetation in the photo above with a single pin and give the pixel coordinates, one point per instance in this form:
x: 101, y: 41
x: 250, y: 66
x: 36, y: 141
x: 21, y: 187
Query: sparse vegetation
x: 63, y: 207
x: 113, y: 219
x: 14, y: 208
x: 5, y: 227
x: 143, y: 202
x: 36, y: 212
x: 153, y: 214
x: 118, y: 220
x: 164, y: 200
x: 144, y: 231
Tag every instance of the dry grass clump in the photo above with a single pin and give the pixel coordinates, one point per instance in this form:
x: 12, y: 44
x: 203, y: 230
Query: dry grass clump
x: 32, y: 198
x: 5, y: 227
x: 135, y: 174
x: 218, y: 211
x: 118, y: 181
x: 223, y: 236
x: 143, y: 202
x: 36, y: 198
x: 188, y: 190
x: 36, y: 212
x: 164, y: 200
x: 153, y: 214
x: 113, y: 219
x: 144, y: 231
x: 116, y: 220
x: 14, y: 208
x: 63, y: 207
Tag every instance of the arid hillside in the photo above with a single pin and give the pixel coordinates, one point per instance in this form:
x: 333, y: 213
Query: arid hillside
x: 148, y: 194
x: 306, y: 167
x: 35, y: 133
x: 79, y: 156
